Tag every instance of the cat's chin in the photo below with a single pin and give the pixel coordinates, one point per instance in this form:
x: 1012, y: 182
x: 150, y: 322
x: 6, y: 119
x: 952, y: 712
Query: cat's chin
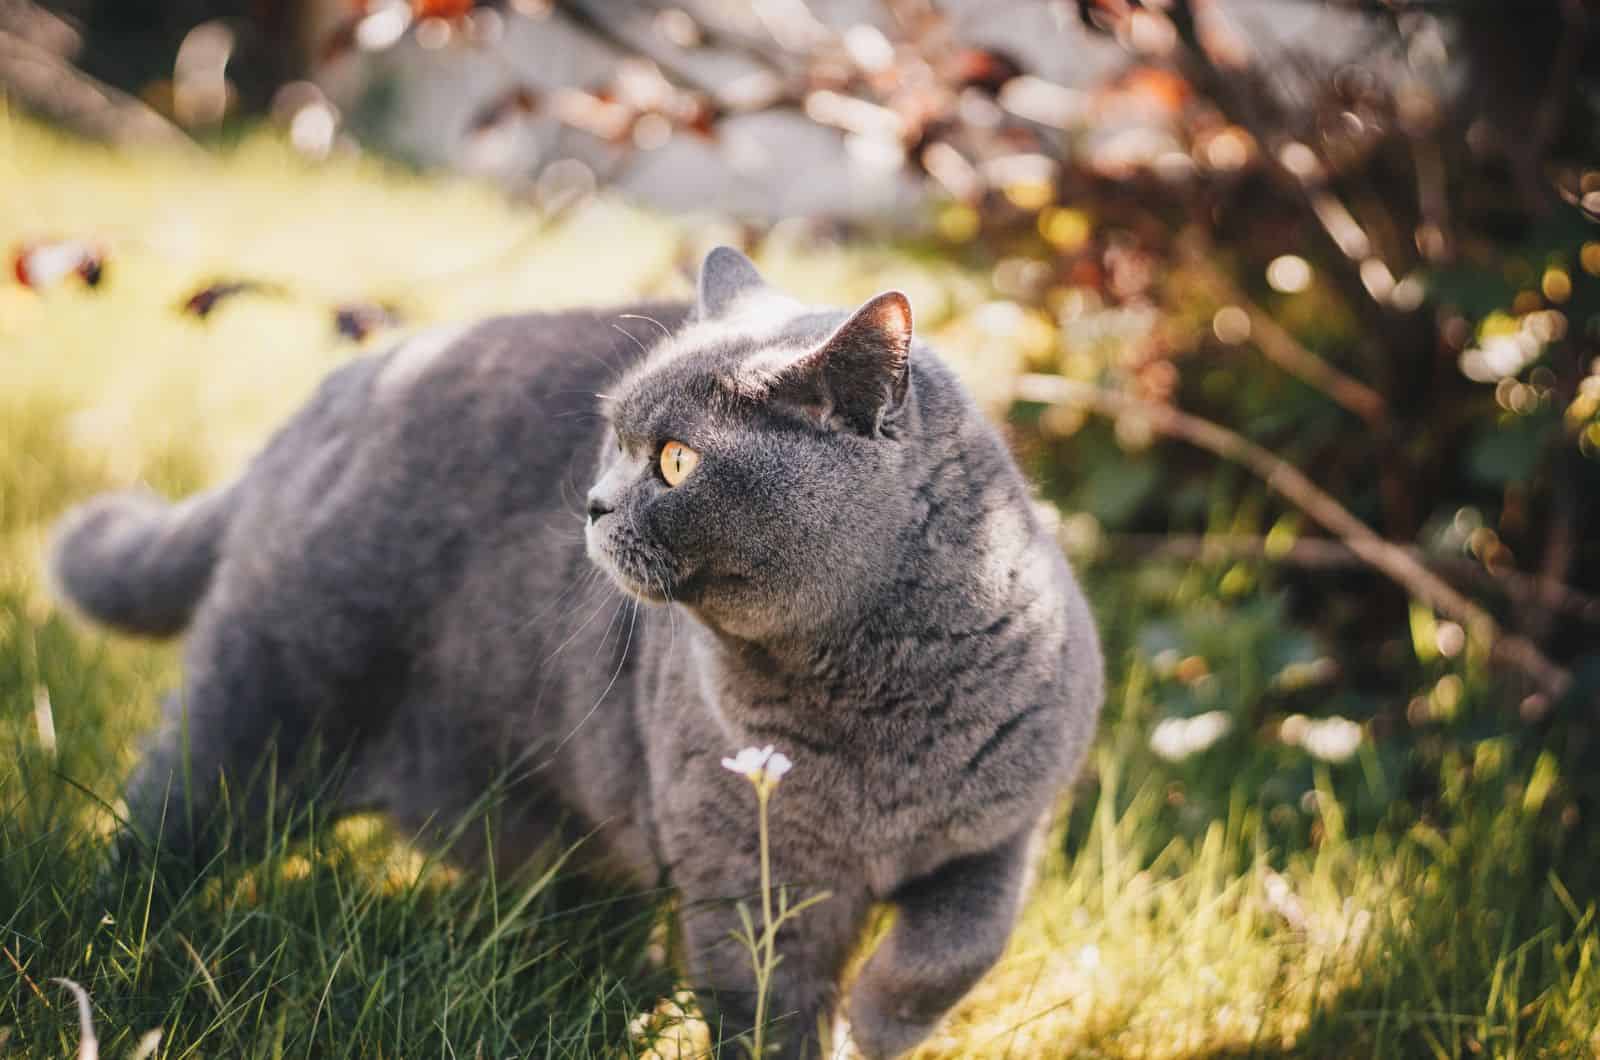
x: 639, y: 590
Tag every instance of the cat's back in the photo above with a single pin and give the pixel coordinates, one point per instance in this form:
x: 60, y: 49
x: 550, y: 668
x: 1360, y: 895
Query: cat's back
x: 457, y: 402
x: 523, y: 378
x: 399, y: 457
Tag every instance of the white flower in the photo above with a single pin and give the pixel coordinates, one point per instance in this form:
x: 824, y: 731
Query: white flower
x: 748, y: 761
x: 1282, y: 900
x: 759, y: 764
x: 1175, y: 739
x: 1332, y: 739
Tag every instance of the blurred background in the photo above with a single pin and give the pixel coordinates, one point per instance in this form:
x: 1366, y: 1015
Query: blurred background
x: 1290, y: 307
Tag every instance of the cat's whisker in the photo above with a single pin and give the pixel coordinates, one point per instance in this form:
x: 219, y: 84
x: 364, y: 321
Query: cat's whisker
x: 635, y: 338
x: 576, y: 593
x: 672, y: 618
x: 611, y: 624
x: 594, y: 581
x: 642, y: 316
x: 622, y: 661
x: 568, y: 505
x: 574, y: 634
x: 580, y: 585
x: 601, y: 361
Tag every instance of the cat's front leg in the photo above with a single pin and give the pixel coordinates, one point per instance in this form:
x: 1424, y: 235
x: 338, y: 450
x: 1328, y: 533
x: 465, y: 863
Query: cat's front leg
x: 802, y: 992
x: 950, y: 929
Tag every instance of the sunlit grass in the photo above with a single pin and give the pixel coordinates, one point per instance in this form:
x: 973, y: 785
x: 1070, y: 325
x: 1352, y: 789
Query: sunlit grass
x: 1153, y: 930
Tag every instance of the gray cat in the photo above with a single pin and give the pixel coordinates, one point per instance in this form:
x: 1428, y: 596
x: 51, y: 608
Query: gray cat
x: 842, y: 559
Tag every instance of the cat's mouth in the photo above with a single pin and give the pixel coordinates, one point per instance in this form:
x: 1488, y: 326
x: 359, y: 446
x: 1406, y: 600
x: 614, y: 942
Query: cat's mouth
x: 627, y: 569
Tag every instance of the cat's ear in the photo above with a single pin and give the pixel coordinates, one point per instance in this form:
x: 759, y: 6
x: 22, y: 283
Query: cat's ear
x: 861, y: 372
x: 725, y: 276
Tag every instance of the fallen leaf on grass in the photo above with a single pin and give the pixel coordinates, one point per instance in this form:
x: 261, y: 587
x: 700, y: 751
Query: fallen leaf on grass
x: 357, y: 320
x: 47, y: 263
x: 203, y: 301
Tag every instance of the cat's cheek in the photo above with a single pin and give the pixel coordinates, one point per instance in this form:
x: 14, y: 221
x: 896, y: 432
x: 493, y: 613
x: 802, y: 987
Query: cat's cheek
x: 625, y: 560
x: 594, y: 548
x: 603, y: 549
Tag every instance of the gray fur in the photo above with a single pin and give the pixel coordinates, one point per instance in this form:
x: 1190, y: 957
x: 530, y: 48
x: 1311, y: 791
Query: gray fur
x: 403, y: 579
x: 138, y: 564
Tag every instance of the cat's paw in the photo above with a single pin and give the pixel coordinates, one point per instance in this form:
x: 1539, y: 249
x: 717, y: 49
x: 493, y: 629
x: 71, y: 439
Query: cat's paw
x: 882, y: 1027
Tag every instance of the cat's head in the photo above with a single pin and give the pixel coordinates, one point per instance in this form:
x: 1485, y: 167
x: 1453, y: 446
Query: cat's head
x: 754, y: 462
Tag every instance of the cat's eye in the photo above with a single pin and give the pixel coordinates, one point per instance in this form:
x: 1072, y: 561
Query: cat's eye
x: 677, y: 462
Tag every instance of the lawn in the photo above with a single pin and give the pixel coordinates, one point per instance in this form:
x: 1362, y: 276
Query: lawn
x: 1430, y: 894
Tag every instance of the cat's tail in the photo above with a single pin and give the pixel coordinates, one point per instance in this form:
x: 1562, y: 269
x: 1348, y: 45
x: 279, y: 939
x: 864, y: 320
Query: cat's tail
x: 137, y: 563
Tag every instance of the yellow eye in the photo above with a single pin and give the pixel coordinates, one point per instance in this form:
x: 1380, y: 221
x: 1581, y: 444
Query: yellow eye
x: 677, y: 462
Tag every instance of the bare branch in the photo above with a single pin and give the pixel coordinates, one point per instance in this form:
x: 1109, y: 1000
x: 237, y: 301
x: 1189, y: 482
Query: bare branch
x: 1349, y: 244
x: 1292, y: 484
x: 43, y: 81
x: 25, y: 19
x: 1285, y: 351
x: 772, y: 61
x: 1325, y: 554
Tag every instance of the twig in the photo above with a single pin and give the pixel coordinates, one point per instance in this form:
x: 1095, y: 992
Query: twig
x: 25, y: 977
x: 26, y: 19
x: 1348, y: 243
x: 1547, y: 118
x: 580, y: 16
x: 1285, y: 351
x: 1560, y: 550
x: 1433, y: 195
x: 1326, y: 554
x: 47, y: 83
x: 1349, y: 251
x: 1292, y: 484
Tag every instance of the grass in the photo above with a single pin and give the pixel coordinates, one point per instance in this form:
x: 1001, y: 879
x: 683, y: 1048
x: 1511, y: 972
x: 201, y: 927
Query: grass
x: 1432, y: 896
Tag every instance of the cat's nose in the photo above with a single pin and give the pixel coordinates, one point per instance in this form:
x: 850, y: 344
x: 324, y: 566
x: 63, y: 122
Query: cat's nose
x: 598, y: 506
